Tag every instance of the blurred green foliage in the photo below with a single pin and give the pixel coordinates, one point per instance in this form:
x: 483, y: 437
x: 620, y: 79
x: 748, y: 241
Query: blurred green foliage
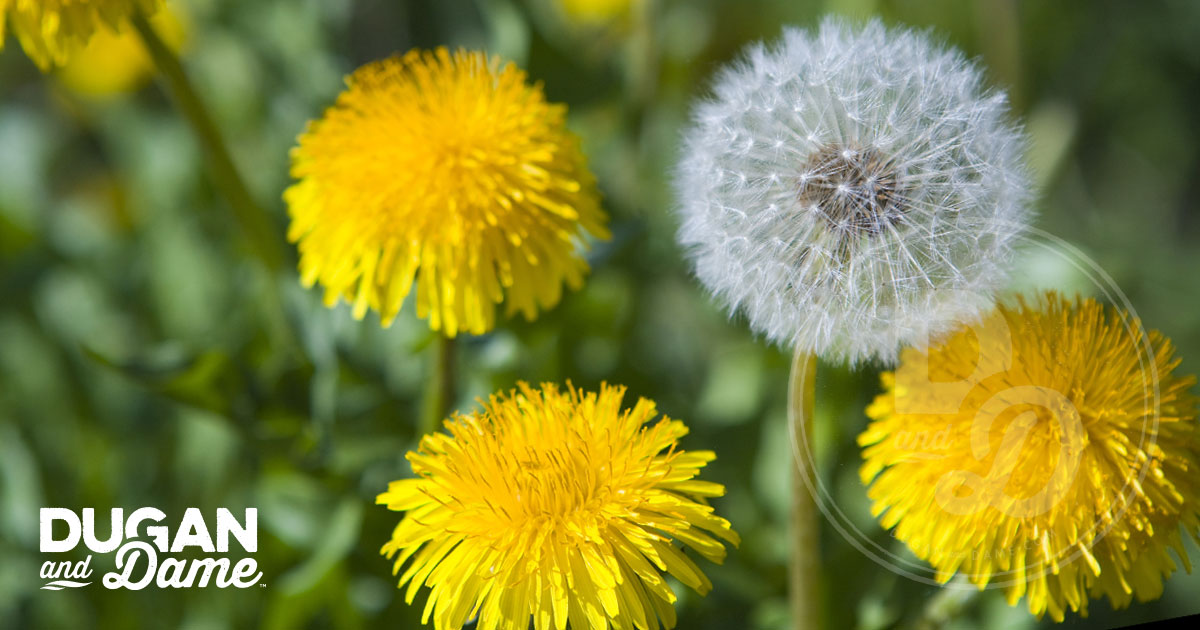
x: 146, y: 359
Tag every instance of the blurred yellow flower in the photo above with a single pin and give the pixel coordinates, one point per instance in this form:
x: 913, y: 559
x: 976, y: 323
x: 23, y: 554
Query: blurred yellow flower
x: 450, y: 169
x: 555, y: 506
x: 596, y: 11
x: 51, y: 31
x: 116, y: 62
x: 1028, y: 452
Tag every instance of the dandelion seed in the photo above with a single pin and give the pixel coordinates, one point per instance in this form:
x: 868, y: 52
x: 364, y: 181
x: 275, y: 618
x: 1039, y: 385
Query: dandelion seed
x: 450, y: 170
x: 553, y: 507
x: 1052, y: 472
x: 852, y: 191
x: 51, y: 31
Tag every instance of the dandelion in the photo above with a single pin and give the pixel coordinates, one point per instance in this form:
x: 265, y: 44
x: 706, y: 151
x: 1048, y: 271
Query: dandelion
x: 116, y: 62
x: 852, y: 190
x: 451, y: 170
x: 1062, y: 470
x: 555, y: 507
x: 597, y: 11
x: 849, y: 191
x: 51, y: 31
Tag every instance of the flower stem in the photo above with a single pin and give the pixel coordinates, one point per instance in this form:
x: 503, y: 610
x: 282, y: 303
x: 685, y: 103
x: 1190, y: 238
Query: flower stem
x: 948, y: 604
x: 440, y: 387
x: 254, y: 221
x: 804, y: 584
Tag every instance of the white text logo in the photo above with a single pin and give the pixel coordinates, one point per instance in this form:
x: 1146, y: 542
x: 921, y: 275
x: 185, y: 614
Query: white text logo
x: 139, y: 539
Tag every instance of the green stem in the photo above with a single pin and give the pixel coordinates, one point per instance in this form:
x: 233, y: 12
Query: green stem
x: 254, y: 221
x: 645, y: 49
x: 641, y: 72
x: 948, y: 604
x: 805, y: 574
x: 440, y: 386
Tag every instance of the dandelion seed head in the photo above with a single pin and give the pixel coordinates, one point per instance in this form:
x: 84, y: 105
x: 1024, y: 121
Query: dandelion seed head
x: 852, y: 190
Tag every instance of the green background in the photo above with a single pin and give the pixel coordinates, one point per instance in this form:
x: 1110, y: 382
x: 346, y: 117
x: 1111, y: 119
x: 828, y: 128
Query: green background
x: 146, y: 359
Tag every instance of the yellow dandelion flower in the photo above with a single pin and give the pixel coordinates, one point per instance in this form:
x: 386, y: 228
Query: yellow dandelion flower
x: 116, y: 62
x: 450, y: 169
x: 555, y: 507
x: 1051, y: 450
x: 51, y: 31
x: 597, y: 11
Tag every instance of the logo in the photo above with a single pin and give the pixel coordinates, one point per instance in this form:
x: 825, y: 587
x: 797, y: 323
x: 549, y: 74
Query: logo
x: 138, y: 541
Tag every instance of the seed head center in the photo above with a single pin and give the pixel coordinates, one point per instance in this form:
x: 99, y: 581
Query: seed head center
x: 855, y: 190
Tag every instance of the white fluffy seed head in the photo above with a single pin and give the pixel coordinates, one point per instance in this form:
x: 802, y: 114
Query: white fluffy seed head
x: 852, y: 191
